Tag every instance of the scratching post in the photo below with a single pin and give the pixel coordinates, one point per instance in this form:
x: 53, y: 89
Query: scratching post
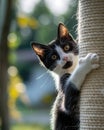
x: 91, y: 39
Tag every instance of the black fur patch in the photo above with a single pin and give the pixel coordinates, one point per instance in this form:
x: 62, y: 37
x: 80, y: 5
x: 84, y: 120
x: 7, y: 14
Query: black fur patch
x: 67, y: 65
x: 69, y: 119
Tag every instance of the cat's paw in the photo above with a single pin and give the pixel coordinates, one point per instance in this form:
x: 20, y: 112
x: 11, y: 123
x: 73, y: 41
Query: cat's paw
x: 91, y: 61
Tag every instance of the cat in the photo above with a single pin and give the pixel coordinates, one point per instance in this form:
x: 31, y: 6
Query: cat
x: 61, y: 57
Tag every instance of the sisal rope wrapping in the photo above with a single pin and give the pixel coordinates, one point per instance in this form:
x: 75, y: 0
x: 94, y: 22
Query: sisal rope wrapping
x: 91, y: 39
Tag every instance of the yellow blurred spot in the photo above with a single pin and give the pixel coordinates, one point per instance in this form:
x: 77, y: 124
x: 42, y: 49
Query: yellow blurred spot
x: 20, y: 87
x: 33, y: 23
x: 12, y: 71
x: 12, y: 40
x: 12, y: 37
x: 15, y: 90
x: 22, y: 21
x: 27, y: 22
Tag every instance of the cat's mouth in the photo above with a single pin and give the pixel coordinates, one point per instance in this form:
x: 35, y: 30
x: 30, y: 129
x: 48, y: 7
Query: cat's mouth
x: 67, y: 64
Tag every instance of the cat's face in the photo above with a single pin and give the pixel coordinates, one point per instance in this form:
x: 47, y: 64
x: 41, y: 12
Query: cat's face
x: 59, y: 55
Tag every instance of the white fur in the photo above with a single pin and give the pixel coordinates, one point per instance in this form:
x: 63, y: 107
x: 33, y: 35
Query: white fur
x: 62, y: 55
x: 84, y: 66
x: 57, y: 79
x: 71, y: 57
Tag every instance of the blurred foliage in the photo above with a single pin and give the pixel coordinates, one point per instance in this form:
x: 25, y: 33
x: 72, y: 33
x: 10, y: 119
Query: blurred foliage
x: 29, y: 127
x: 16, y: 90
x: 24, y: 22
x: 13, y: 40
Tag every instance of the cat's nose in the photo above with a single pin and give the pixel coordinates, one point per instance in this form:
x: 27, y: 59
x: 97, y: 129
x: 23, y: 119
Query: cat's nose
x: 65, y: 58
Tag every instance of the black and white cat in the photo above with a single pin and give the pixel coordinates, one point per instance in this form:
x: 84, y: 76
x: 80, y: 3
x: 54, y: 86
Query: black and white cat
x: 61, y: 57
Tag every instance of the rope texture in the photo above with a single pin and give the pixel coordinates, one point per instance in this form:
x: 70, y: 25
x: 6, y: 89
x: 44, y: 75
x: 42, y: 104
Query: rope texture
x: 91, y: 39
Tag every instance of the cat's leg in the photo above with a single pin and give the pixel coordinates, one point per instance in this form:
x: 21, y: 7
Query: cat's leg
x: 74, y: 82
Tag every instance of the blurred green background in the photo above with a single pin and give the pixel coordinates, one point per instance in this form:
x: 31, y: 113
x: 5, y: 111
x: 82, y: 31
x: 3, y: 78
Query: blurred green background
x: 29, y: 89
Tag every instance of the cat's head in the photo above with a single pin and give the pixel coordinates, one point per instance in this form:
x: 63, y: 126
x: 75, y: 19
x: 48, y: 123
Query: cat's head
x: 61, y: 54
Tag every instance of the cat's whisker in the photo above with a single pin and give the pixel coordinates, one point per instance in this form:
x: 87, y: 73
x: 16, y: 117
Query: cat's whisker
x: 46, y: 84
x: 42, y: 75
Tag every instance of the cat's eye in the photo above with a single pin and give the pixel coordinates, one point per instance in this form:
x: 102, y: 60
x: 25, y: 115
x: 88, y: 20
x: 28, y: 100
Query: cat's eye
x: 66, y: 47
x: 54, y: 57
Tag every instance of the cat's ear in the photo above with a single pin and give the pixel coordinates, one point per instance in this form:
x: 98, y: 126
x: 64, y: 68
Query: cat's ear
x: 39, y: 49
x: 63, y: 32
